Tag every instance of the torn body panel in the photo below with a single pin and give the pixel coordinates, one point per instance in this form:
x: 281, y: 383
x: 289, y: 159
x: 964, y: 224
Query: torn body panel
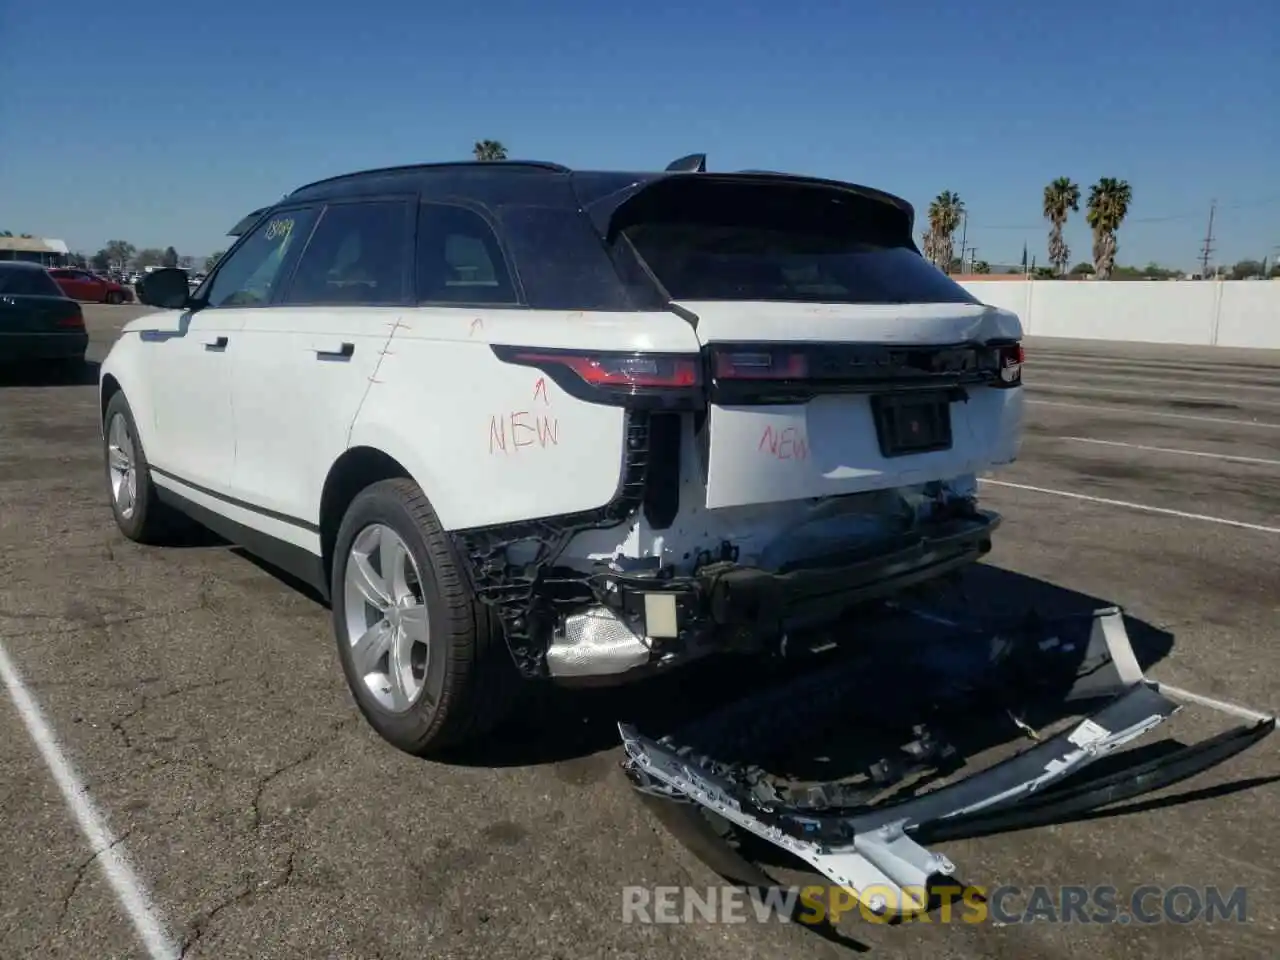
x: 873, y: 849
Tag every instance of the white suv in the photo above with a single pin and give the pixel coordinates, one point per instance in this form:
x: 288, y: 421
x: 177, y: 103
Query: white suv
x: 516, y: 421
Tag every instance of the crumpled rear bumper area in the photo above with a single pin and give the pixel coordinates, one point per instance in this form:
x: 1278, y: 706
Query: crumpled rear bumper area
x: 874, y: 848
x: 647, y: 621
x: 821, y: 588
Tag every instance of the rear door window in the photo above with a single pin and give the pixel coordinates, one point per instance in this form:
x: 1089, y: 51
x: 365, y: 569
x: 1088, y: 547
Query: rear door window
x: 359, y: 253
x: 459, y: 259
x: 719, y: 240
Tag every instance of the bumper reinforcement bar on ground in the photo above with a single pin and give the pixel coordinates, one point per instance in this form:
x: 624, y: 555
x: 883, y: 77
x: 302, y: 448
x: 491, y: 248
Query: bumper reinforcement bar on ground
x: 877, y: 847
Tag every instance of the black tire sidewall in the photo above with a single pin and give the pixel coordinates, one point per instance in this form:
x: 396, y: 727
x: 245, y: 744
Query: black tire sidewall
x: 134, y: 526
x: 412, y: 729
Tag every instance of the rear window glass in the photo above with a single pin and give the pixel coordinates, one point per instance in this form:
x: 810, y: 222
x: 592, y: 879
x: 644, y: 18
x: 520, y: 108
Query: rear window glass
x: 18, y: 281
x: 732, y: 241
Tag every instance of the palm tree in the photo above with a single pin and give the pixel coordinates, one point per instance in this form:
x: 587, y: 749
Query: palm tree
x: 1109, y: 201
x: 1061, y: 197
x: 945, y: 213
x: 489, y: 150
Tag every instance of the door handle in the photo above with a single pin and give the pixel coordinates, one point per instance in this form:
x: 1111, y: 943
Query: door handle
x: 220, y: 343
x: 342, y: 353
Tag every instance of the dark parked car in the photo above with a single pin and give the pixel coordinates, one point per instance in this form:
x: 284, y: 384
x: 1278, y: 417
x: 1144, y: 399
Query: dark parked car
x: 38, y: 322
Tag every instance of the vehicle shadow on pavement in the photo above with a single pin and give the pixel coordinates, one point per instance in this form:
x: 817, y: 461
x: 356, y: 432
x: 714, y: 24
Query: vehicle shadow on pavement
x: 61, y: 374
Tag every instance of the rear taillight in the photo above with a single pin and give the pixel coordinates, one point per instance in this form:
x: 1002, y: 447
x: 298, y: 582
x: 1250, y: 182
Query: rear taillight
x: 614, y: 377
x: 760, y: 365
x: 1011, y: 359
x: 611, y: 370
x: 73, y: 320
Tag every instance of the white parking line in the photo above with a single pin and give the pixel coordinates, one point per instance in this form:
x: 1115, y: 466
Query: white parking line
x: 1078, y: 387
x: 1139, y: 412
x: 1173, y: 378
x: 106, y: 849
x: 1132, y: 506
x: 1185, y: 453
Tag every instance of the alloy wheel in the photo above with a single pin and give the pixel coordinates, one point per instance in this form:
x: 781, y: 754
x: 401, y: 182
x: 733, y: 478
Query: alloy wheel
x: 386, y: 618
x: 122, y: 466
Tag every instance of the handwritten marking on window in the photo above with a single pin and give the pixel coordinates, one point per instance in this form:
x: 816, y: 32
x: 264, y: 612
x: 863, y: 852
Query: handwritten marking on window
x: 277, y: 229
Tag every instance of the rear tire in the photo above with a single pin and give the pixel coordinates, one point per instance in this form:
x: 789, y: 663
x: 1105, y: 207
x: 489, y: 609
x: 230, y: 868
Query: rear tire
x: 425, y: 661
x: 135, y: 505
x: 114, y: 297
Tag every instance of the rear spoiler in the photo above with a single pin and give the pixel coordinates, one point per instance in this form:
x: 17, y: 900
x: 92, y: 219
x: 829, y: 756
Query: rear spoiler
x: 243, y: 225
x: 604, y: 211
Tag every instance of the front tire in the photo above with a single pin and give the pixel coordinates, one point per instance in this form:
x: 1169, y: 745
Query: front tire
x: 425, y: 662
x: 114, y: 297
x: 139, y: 513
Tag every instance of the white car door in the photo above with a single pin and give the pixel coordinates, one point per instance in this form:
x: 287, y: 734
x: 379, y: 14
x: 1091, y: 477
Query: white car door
x: 310, y: 358
x: 187, y: 362
x: 191, y: 361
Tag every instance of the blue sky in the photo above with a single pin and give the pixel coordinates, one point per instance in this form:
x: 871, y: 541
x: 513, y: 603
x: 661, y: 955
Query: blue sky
x: 163, y: 124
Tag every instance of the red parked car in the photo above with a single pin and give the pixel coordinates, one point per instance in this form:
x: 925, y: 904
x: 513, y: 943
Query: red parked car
x: 82, y: 285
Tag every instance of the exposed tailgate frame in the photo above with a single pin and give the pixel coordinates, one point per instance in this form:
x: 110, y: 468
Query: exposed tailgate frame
x: 875, y: 852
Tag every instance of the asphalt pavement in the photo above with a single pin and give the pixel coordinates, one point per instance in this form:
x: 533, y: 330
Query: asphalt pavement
x: 198, y: 699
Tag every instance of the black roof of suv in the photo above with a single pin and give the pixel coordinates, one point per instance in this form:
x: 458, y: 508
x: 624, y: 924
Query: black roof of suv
x: 557, y: 231
x: 500, y: 182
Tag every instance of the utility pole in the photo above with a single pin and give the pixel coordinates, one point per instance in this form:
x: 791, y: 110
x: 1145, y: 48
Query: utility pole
x: 1208, y: 243
x: 964, y: 234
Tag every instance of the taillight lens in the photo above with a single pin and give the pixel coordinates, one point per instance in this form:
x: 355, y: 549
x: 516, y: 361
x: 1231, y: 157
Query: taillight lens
x: 1011, y: 359
x: 626, y: 371
x: 761, y: 365
x: 73, y: 320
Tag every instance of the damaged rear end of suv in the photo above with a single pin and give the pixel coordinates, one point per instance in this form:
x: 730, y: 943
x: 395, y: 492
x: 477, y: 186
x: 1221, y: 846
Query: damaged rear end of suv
x: 813, y: 446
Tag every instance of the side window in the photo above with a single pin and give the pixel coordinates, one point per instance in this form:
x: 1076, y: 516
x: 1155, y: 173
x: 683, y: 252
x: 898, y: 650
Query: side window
x: 250, y: 274
x: 459, y: 260
x: 358, y: 253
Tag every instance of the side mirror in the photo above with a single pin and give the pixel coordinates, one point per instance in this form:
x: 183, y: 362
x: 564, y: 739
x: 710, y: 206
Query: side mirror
x: 166, y: 288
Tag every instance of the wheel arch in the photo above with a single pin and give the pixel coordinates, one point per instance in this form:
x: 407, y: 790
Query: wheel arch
x: 124, y: 371
x: 108, y: 387
x: 357, y: 468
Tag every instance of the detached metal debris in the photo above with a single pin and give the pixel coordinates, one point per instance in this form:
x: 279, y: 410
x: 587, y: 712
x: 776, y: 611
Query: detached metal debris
x: 859, y: 838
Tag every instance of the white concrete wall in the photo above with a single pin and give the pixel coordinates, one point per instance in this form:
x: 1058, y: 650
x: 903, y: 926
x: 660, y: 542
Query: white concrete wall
x: 1228, y: 313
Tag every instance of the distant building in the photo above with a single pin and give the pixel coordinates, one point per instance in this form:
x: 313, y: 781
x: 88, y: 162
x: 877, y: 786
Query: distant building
x: 51, y: 253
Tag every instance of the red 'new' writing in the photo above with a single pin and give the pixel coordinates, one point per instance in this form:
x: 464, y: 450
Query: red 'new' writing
x: 784, y: 444
x: 522, y: 429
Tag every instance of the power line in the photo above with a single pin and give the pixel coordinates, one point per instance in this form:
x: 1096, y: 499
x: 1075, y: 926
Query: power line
x: 1243, y: 205
x: 1208, y: 242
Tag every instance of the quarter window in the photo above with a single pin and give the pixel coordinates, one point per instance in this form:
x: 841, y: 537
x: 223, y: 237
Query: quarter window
x: 459, y: 258
x: 358, y: 253
x: 251, y: 274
